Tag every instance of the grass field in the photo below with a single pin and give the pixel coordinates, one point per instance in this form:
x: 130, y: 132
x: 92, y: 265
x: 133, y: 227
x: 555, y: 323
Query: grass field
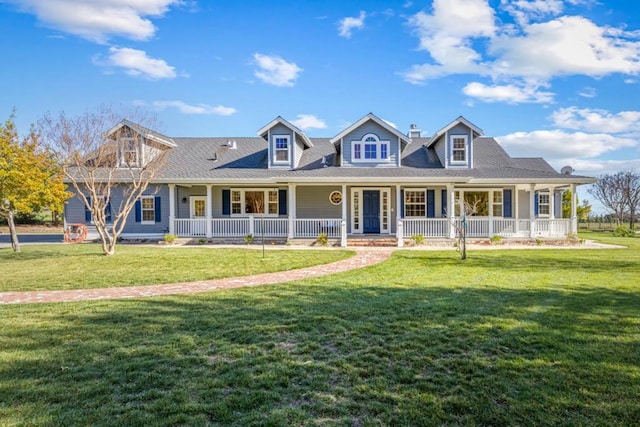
x: 46, y: 267
x: 513, y: 337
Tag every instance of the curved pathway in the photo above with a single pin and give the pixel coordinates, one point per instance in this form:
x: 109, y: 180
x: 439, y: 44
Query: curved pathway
x: 363, y: 258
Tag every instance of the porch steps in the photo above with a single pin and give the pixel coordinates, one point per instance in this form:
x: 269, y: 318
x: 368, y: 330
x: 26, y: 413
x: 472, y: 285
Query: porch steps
x: 376, y: 241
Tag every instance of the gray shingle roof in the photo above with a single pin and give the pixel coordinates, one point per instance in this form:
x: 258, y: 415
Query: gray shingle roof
x: 210, y: 159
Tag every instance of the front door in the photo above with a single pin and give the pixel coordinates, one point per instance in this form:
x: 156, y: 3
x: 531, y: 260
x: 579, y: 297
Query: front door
x: 371, y: 211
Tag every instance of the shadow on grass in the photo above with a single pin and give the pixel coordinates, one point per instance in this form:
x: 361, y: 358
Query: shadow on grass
x: 330, y: 352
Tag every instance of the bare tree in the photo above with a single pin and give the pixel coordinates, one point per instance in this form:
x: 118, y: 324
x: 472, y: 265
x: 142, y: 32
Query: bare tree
x: 104, y: 158
x: 620, y: 193
x: 470, y: 207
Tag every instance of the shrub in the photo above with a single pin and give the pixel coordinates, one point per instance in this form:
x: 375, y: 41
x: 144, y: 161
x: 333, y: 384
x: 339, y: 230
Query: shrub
x: 495, y: 239
x: 538, y: 241
x: 322, y: 239
x: 248, y: 239
x: 624, y: 232
x: 201, y: 241
x: 170, y: 238
x: 418, y: 239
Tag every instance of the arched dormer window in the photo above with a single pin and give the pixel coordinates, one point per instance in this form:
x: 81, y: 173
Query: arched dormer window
x: 369, y: 148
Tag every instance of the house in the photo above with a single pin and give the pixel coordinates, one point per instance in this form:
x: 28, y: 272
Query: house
x: 370, y: 179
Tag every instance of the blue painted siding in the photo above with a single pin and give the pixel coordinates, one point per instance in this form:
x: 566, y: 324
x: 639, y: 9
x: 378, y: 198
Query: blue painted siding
x: 382, y: 134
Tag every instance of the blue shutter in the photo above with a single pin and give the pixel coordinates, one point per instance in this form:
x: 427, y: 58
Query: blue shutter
x: 138, y: 209
x: 107, y: 211
x: 402, y: 204
x: 444, y: 204
x: 507, y: 210
x: 158, y: 213
x: 535, y: 209
x: 87, y: 211
x: 431, y: 203
x: 226, y: 202
x: 282, y: 202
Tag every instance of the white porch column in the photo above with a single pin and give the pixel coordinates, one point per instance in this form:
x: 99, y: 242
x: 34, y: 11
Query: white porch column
x: 291, y: 191
x: 552, y: 203
x: 491, y: 213
x: 208, y: 211
x: 451, y: 211
x: 343, y: 222
x: 574, y: 209
x: 532, y: 210
x: 172, y: 208
x: 399, y: 224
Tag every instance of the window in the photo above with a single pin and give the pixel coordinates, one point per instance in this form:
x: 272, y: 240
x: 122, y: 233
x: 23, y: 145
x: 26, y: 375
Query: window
x: 129, y: 153
x: 370, y: 149
x: 497, y: 203
x: 281, y: 149
x: 254, y: 202
x: 543, y: 204
x: 148, y: 209
x: 459, y: 149
x: 415, y: 203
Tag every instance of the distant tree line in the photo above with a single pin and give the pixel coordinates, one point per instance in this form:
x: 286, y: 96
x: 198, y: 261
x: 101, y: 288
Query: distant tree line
x: 620, y: 193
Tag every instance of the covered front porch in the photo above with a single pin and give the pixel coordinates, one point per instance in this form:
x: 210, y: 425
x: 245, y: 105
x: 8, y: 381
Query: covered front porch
x: 340, y: 211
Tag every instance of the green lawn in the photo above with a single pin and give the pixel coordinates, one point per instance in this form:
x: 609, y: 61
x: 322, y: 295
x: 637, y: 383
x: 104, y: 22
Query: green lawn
x: 45, y: 267
x: 513, y: 337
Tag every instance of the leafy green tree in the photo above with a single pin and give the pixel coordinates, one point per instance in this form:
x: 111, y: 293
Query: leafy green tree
x: 583, y: 210
x: 30, y: 177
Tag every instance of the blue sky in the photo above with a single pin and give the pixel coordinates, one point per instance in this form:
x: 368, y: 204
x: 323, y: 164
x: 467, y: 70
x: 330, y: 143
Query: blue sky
x: 551, y: 78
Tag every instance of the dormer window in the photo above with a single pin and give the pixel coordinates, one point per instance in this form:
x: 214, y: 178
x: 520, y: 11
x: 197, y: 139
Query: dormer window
x: 129, y: 153
x: 370, y: 149
x: 459, y: 149
x: 281, y: 149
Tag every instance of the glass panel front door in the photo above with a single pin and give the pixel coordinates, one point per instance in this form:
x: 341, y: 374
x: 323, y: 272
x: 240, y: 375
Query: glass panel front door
x: 198, y: 207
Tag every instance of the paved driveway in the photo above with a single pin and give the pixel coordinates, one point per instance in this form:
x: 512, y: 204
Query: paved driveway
x: 5, y: 239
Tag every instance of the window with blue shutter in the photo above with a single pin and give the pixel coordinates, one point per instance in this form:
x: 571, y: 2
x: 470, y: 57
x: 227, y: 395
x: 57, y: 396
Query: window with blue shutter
x: 507, y: 204
x: 138, y: 211
x: 226, y: 202
x: 158, y: 214
x: 87, y: 211
x: 282, y: 202
x: 431, y: 203
x: 402, y: 204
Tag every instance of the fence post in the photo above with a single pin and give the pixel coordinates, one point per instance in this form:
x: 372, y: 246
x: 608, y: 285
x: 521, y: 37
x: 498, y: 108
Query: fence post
x: 343, y: 233
x: 251, y: 226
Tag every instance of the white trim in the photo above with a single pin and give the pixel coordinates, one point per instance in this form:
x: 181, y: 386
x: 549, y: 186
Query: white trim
x: 375, y: 119
x: 243, y: 207
x: 450, y: 142
x: 377, y: 142
x: 124, y: 146
x: 451, y: 125
x: 267, y: 129
x: 142, y: 210
x: 192, y: 201
x: 383, y: 212
x: 275, y: 150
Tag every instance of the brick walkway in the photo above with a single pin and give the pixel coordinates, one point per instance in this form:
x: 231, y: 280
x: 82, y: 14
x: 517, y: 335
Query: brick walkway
x: 364, y: 257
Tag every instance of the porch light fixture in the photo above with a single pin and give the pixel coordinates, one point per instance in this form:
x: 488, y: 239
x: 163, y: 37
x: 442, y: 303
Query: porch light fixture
x: 184, y: 200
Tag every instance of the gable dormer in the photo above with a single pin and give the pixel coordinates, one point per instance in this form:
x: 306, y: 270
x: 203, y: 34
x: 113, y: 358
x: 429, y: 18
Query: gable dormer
x: 370, y: 142
x: 285, y: 143
x: 136, y: 145
x: 454, y: 143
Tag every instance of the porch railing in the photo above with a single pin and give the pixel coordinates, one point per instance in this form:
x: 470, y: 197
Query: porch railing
x: 312, y: 227
x: 427, y: 227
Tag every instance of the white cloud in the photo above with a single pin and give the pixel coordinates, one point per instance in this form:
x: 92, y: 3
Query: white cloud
x: 598, y: 167
x: 595, y: 120
x: 309, y: 121
x: 510, y: 93
x: 348, y: 24
x: 525, y: 11
x: 565, y: 46
x: 447, y: 36
x: 393, y: 125
x: 464, y: 37
x: 557, y: 144
x: 184, y: 108
x: 99, y: 20
x: 588, y: 92
x: 276, y: 71
x: 137, y: 63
